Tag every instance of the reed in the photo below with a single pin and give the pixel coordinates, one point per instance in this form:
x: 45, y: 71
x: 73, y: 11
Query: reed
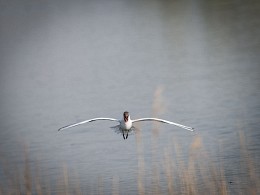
x: 198, y: 174
x: 172, y: 175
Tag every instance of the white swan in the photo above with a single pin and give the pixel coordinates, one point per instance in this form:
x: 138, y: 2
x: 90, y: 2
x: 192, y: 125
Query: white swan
x: 126, y: 123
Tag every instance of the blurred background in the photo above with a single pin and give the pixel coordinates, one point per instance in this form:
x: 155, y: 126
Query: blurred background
x: 192, y: 62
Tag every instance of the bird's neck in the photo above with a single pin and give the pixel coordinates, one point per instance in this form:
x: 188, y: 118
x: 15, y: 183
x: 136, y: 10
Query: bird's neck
x: 128, y: 120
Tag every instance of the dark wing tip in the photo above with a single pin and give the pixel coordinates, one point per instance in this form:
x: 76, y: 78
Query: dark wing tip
x: 61, y: 128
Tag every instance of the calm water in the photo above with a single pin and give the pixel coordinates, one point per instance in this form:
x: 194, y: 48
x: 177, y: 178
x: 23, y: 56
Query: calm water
x: 192, y: 62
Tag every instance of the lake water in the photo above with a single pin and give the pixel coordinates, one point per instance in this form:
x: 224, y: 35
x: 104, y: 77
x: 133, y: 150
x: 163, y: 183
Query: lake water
x: 193, y: 62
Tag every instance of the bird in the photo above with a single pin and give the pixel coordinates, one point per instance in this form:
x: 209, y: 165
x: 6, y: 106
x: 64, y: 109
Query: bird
x: 126, y: 123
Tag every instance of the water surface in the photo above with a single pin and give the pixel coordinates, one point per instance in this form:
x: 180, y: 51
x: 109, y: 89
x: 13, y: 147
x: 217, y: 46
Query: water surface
x: 192, y: 62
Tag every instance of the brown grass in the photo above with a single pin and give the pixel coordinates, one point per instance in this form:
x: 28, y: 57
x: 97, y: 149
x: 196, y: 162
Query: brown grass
x: 170, y: 173
x: 197, y: 176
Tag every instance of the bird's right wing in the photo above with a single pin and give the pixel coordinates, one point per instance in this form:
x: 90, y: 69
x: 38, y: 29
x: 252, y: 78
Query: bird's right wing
x: 164, y: 121
x: 86, y: 121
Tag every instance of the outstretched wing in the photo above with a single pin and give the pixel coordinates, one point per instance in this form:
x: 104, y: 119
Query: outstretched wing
x: 164, y: 121
x: 86, y: 121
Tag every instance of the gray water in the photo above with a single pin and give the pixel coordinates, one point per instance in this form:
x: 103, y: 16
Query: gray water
x: 193, y: 62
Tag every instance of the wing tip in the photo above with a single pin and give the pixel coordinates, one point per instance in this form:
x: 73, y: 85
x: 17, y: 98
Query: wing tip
x: 62, y: 128
x: 189, y: 128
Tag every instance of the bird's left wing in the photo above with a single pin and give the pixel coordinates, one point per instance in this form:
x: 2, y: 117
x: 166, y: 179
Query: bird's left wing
x: 164, y: 121
x: 86, y: 121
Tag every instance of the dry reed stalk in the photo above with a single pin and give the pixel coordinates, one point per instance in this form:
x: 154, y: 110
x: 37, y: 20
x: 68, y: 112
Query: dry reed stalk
x: 155, y: 169
x: 158, y: 108
x: 214, y: 176
x: 100, y: 185
x: 181, y: 169
x: 16, y: 179
x: 38, y: 180
x: 192, y: 167
x: 65, y: 179
x: 223, y: 183
x: 141, y: 163
x: 38, y: 187
x: 191, y: 173
x: 209, y: 176
x: 27, y: 173
x: 156, y: 188
x: 168, y: 170
x: 77, y: 184
x: 115, y: 185
x: 47, y: 184
x: 158, y: 101
x: 253, y: 187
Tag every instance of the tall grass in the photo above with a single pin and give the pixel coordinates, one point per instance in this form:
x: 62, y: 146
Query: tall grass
x: 198, y: 174
x: 170, y: 175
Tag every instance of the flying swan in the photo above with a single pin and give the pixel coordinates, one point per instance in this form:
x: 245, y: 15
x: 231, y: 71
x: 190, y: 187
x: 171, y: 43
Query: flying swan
x: 126, y: 123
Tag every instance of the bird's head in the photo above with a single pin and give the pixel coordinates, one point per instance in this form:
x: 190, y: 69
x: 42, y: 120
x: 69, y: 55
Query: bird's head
x: 126, y: 116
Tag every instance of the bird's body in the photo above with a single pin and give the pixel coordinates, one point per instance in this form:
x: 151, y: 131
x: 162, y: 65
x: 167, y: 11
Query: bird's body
x: 126, y: 123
